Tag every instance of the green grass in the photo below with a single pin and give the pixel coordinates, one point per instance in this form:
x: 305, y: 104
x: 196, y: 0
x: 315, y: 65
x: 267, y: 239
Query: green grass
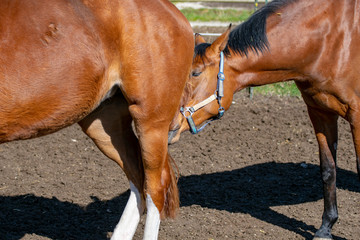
x: 280, y: 89
x: 222, y: 15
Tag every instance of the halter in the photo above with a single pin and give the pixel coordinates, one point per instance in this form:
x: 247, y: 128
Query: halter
x: 187, y: 112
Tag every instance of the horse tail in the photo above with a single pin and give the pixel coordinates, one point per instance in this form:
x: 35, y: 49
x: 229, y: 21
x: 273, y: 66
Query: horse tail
x: 172, y: 201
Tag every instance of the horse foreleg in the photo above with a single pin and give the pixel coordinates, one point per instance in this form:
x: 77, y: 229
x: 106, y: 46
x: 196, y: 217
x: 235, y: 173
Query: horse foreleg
x: 110, y: 128
x: 325, y: 126
x: 130, y: 218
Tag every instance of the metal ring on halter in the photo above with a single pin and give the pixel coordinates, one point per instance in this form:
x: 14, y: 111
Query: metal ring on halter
x: 187, y: 113
x: 186, y: 110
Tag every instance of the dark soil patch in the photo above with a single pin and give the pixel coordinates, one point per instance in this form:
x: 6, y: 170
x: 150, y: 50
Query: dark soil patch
x: 252, y: 175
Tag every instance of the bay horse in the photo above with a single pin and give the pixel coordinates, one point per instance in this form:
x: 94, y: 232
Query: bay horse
x: 314, y: 43
x: 103, y: 64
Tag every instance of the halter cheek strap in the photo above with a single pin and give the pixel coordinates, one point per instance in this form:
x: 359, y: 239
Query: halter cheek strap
x: 187, y: 112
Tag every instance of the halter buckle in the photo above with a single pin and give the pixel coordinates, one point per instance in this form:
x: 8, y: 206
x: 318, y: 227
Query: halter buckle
x: 221, y: 76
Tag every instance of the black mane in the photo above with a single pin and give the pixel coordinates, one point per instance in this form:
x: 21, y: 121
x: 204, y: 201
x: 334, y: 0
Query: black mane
x: 251, y: 35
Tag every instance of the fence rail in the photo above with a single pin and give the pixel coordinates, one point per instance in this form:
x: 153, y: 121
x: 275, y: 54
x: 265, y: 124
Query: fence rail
x: 225, y: 2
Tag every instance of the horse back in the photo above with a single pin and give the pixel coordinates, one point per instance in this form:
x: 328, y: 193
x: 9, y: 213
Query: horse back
x: 51, y: 66
x: 325, y: 51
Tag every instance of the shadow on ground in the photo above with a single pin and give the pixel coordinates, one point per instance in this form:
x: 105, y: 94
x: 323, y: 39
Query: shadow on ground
x: 248, y: 190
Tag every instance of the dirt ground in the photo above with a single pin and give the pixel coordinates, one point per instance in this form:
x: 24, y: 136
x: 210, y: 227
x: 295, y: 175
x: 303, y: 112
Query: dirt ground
x: 252, y: 175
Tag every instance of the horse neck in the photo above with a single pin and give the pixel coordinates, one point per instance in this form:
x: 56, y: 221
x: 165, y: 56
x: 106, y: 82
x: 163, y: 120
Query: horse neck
x: 295, y: 36
x: 257, y: 71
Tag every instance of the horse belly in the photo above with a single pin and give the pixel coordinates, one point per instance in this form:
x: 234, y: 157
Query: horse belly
x: 42, y: 104
x: 42, y: 116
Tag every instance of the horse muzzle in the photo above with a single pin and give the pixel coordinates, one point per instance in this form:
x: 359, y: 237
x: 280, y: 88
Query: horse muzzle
x: 173, y: 136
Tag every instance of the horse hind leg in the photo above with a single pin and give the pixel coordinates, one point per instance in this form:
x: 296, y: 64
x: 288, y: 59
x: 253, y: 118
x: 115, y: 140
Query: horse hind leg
x: 162, y: 199
x: 358, y: 165
x: 354, y: 119
x: 170, y: 201
x: 110, y: 128
x: 325, y: 126
x: 130, y: 217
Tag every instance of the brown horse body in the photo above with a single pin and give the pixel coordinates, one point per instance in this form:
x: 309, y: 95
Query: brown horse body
x: 314, y: 43
x: 103, y: 64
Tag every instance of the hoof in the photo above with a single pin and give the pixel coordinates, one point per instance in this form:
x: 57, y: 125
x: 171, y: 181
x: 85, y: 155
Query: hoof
x: 323, y: 234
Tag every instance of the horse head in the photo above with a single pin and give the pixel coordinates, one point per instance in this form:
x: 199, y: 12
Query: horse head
x: 207, y: 94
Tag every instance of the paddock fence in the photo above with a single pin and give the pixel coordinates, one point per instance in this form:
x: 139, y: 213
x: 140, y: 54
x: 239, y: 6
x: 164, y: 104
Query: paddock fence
x: 245, y: 4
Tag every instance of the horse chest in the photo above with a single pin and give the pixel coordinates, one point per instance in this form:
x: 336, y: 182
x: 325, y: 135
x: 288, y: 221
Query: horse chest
x: 325, y: 101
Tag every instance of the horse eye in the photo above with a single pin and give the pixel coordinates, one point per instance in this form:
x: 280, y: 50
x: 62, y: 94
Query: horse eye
x: 196, y: 74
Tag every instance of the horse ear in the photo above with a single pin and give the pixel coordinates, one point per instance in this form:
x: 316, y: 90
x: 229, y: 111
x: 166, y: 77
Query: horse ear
x: 199, y: 39
x: 220, y: 43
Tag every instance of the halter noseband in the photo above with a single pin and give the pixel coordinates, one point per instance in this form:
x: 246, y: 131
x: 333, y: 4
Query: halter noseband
x: 187, y: 112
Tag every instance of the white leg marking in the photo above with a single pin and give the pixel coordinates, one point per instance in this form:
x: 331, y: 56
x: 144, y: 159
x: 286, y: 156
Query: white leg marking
x: 152, y: 220
x: 130, y: 218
